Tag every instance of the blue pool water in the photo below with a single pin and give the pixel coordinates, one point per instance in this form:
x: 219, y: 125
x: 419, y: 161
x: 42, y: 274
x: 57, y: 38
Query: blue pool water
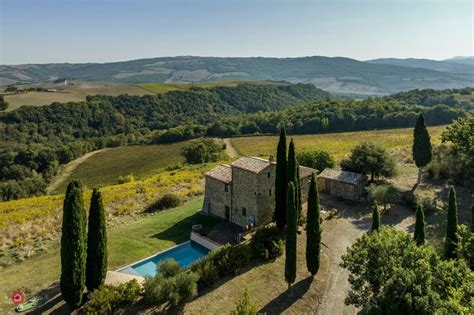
x: 185, y: 254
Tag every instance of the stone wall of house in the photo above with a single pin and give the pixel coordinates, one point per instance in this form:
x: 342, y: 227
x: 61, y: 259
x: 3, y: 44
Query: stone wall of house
x: 216, y: 198
x: 266, y: 195
x: 245, y: 190
x: 330, y: 186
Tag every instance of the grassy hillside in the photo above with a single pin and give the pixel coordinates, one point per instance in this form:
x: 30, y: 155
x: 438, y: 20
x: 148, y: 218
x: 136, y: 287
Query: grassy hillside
x: 333, y: 74
x: 338, y: 144
x: 166, y: 87
x: 128, y: 241
x: 71, y: 93
x: 28, y: 225
x: 105, y: 167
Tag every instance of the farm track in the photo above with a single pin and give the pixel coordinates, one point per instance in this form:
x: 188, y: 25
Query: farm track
x: 68, y: 169
x: 230, y: 150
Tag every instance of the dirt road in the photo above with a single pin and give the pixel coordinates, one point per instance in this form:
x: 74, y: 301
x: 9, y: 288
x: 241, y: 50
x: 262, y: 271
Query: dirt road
x: 67, y: 170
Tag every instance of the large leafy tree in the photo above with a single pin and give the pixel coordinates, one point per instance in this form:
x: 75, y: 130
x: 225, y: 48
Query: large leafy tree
x: 96, y: 265
x: 202, y: 150
x: 313, y: 229
x: 281, y: 185
x: 370, y: 159
x: 390, y: 274
x: 290, y: 243
x: 420, y: 226
x: 317, y: 159
x: 422, y: 150
x: 73, y: 245
x: 451, y: 226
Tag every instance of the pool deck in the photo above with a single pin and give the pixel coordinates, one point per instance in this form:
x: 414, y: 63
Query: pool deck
x: 116, y: 278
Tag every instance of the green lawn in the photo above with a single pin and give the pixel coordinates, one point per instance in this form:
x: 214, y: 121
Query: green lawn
x: 129, y: 241
x: 105, y: 167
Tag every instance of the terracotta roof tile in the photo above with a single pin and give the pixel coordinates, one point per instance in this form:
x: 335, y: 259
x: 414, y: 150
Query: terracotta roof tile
x: 341, y: 176
x: 221, y: 173
x: 252, y: 164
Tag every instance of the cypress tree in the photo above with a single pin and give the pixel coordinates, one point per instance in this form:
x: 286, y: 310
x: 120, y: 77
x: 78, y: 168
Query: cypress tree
x: 292, y: 167
x: 290, y: 244
x: 375, y: 218
x: 96, y: 266
x: 281, y: 184
x: 313, y: 229
x: 420, y: 226
x: 421, y: 146
x: 452, y: 226
x: 73, y: 245
x: 298, y: 195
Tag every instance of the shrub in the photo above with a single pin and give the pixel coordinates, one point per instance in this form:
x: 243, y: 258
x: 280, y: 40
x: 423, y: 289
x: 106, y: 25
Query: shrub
x: 107, y: 299
x: 167, y: 201
x: 267, y: 243
x: 168, y: 268
x: 383, y: 194
x: 126, y: 179
x: 317, y: 159
x: 203, y: 150
x: 208, y: 272
x: 228, y: 260
x: 171, y: 284
x: 244, y: 305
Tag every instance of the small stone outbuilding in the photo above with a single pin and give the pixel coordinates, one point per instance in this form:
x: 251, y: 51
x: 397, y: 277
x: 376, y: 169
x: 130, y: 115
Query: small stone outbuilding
x: 344, y: 184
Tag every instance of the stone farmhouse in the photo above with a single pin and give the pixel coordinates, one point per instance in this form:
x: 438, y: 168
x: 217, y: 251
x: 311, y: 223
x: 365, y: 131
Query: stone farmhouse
x: 344, y: 184
x: 243, y: 192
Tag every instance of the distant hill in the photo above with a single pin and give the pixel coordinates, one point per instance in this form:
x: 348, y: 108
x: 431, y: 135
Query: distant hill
x: 469, y: 60
x: 449, y: 65
x: 341, y: 75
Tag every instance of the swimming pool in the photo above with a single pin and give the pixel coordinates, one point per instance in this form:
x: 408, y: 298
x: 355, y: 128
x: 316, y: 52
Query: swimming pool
x: 185, y: 254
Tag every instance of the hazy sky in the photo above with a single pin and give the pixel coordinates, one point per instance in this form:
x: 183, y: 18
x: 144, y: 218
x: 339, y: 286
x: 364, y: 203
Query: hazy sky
x: 40, y: 31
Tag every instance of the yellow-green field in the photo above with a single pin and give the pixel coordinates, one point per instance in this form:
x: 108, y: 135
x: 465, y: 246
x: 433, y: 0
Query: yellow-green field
x: 72, y: 93
x: 338, y: 144
x: 27, y: 224
x: 105, y: 167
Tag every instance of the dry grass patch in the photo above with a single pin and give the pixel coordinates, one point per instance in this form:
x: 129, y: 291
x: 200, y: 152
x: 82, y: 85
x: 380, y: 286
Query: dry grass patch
x: 338, y: 144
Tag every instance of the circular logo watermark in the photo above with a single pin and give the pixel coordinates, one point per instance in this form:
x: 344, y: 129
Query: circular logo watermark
x: 18, y: 297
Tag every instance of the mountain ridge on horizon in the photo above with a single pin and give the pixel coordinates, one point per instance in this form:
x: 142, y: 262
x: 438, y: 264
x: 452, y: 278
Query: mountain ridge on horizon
x: 334, y: 74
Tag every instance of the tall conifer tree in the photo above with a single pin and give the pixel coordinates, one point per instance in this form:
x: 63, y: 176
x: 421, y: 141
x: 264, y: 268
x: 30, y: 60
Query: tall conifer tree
x: 313, y: 229
x: 452, y: 226
x: 420, y: 226
x: 281, y: 184
x: 73, y: 245
x: 375, y: 218
x: 291, y: 168
x: 422, y: 149
x: 299, y: 206
x: 290, y: 244
x: 96, y: 266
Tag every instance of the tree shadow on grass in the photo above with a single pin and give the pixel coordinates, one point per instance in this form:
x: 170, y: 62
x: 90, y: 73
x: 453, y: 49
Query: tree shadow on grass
x: 180, y: 231
x: 287, y: 298
x: 51, y: 301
